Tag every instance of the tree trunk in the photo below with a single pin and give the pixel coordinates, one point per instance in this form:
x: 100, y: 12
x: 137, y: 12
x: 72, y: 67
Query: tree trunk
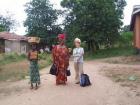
x: 97, y: 46
x: 88, y: 43
x: 92, y: 46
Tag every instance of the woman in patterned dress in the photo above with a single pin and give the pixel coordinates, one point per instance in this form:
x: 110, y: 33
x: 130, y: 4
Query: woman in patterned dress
x: 61, y: 60
x: 34, y: 70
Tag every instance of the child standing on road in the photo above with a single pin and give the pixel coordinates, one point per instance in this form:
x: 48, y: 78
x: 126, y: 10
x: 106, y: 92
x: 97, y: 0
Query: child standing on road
x: 78, y: 53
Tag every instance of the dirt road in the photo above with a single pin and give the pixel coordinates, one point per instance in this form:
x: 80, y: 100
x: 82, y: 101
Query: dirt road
x: 102, y: 92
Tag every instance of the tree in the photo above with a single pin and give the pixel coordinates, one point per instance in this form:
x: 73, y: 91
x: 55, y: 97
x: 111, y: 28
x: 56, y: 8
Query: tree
x: 126, y: 28
x: 41, y: 19
x: 95, y: 21
x: 6, y: 23
x: 2, y: 28
x: 126, y: 36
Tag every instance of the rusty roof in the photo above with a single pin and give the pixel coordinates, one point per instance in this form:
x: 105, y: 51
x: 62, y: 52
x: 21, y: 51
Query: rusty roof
x: 12, y: 36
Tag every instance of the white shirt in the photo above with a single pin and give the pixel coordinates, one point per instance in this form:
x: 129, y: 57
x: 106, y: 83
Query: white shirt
x: 41, y: 50
x: 78, y: 54
x: 47, y: 49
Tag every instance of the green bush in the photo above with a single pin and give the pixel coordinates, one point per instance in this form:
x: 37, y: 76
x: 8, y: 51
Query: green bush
x: 19, y: 70
x: 11, y: 57
x: 23, y: 56
x: 110, y: 52
x: 42, y: 56
x: 126, y: 39
x: 45, y: 60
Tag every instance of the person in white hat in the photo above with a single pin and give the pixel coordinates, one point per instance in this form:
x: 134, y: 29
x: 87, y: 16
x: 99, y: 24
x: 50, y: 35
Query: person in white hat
x: 78, y: 53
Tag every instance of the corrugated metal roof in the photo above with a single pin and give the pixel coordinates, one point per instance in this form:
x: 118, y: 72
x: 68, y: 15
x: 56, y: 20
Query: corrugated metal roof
x: 12, y: 36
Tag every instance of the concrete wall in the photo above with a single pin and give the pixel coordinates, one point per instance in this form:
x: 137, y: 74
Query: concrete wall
x: 13, y: 46
x: 24, y: 47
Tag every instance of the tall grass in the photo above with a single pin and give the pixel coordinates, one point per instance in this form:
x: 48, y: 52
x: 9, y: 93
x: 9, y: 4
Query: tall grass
x: 12, y: 57
x: 44, y: 60
x: 111, y: 52
x: 16, y: 67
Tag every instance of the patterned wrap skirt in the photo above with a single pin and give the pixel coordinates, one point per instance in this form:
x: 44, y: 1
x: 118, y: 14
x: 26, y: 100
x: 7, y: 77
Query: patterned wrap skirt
x: 34, y: 72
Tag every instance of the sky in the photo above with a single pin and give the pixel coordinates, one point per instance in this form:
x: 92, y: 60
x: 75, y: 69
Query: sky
x: 16, y: 9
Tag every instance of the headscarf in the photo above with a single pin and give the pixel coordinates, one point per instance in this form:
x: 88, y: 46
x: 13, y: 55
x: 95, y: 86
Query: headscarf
x: 61, y: 36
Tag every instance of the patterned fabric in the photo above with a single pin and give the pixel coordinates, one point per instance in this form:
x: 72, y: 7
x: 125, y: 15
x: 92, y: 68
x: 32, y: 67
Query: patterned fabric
x: 61, y: 59
x: 34, y: 72
x: 33, y: 55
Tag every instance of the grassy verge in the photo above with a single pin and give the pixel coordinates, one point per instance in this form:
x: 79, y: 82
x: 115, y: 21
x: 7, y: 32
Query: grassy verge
x: 9, y: 58
x: 112, y: 52
x: 13, y: 70
x: 45, y: 60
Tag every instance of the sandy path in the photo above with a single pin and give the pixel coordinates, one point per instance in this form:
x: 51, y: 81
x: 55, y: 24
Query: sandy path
x: 102, y: 92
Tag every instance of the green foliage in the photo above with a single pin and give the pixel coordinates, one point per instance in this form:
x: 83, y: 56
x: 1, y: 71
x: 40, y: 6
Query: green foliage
x: 95, y: 21
x: 127, y: 36
x: 111, y: 52
x: 45, y: 60
x: 8, y: 58
x: 6, y: 23
x: 41, y: 19
x: 126, y: 39
x: 43, y: 56
x: 15, y: 67
x: 2, y: 28
x: 126, y: 28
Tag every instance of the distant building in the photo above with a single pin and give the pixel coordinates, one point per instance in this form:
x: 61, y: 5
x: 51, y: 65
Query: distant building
x: 12, y: 43
x: 135, y: 27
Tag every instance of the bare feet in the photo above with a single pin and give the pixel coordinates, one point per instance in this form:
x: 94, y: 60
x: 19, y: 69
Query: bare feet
x: 36, y: 86
x: 77, y: 82
x: 31, y: 86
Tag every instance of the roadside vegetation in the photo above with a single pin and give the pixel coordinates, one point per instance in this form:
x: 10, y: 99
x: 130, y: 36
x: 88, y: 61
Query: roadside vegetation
x: 9, y: 58
x: 122, y: 47
x: 15, y: 67
x: 110, y: 52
